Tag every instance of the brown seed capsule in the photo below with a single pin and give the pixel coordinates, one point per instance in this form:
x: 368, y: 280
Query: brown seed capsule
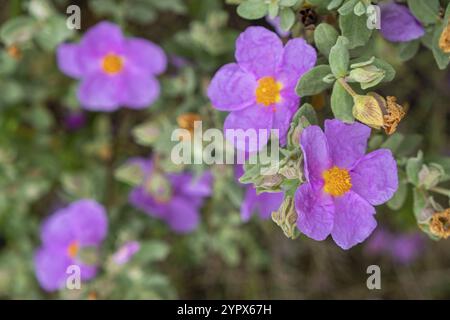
x: 444, y: 40
x: 393, y: 114
x: 308, y: 17
x: 187, y: 121
x: 440, y: 224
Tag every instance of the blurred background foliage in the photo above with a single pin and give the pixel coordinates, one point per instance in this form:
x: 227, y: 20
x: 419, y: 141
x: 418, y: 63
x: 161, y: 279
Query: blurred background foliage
x: 45, y: 163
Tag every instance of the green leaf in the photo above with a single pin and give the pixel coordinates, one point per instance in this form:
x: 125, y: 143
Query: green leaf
x: 53, y: 32
x: 359, y: 9
x: 379, y: 63
x: 399, y: 197
x: 341, y: 103
x: 273, y: 9
x: 348, y: 7
x: 287, y: 3
x: 325, y: 36
x: 152, y: 251
x: 287, y: 18
x: 408, y: 49
x: 442, y: 58
x: 312, y: 83
x: 339, y: 58
x: 18, y: 30
x: 355, y: 29
x: 334, y: 4
x: 413, y: 166
x: 427, y: 11
x: 252, y: 9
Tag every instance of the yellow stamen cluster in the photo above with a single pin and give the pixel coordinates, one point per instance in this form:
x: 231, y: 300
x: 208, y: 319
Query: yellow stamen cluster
x: 440, y: 224
x: 112, y: 64
x: 337, y: 181
x: 268, y: 91
x: 72, y: 249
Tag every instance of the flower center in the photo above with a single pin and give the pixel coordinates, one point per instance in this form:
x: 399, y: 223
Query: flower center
x: 72, y: 249
x: 337, y: 181
x: 268, y: 91
x: 112, y: 64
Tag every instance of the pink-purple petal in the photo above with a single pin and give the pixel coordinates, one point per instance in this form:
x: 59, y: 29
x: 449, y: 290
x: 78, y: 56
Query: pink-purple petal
x: 89, y: 222
x: 398, y: 23
x: 253, y: 119
x: 50, y: 267
x: 144, y: 55
x: 101, y: 92
x: 182, y: 216
x: 103, y: 38
x: 347, y: 142
x: 231, y: 88
x: 67, y: 56
x: 259, y: 51
x: 353, y: 220
x: 374, y: 177
x: 57, y: 230
x: 285, y: 110
x: 298, y: 56
x: 316, y: 155
x: 139, y: 90
x: 315, y: 211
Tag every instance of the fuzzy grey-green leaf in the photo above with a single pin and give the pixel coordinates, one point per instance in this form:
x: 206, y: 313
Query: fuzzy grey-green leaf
x: 311, y: 82
x: 325, y: 37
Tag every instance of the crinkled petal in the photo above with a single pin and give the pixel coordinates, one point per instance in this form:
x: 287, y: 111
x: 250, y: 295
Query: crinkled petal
x: 347, y: 142
x: 67, y: 56
x: 231, y: 88
x: 374, y: 177
x: 285, y: 110
x: 249, y: 129
x: 50, y: 266
x: 191, y: 186
x: 182, y: 216
x: 354, y: 220
x: 144, y: 55
x: 101, y: 92
x: 316, y: 155
x: 259, y: 51
x: 89, y: 221
x: 298, y: 56
x: 315, y: 211
x: 139, y: 90
x: 398, y: 24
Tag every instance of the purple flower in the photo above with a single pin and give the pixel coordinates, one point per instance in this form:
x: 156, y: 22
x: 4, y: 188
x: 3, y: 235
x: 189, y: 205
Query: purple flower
x: 275, y: 23
x: 114, y: 71
x: 178, y: 202
x: 403, y: 248
x: 259, y: 90
x: 398, y: 24
x: 80, y: 225
x: 342, y: 184
x: 75, y: 120
x: 264, y: 203
x: 126, y: 252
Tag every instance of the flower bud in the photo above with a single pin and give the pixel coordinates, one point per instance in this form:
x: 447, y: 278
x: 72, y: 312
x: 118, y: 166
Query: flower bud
x: 286, y: 218
x: 430, y: 176
x: 367, y: 76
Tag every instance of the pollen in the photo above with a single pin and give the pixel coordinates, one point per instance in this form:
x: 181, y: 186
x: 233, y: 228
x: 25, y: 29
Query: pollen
x: 268, y: 91
x: 112, y: 64
x: 337, y: 181
x: 72, y: 249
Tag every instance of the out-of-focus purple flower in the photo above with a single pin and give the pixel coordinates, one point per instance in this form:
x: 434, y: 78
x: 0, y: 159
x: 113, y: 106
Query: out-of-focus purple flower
x: 275, y: 23
x: 126, y: 252
x: 81, y: 225
x: 403, y: 248
x: 259, y: 90
x: 264, y: 204
x: 114, y: 71
x: 398, y: 24
x: 176, y: 199
x: 342, y: 183
x: 178, y: 61
x: 75, y: 120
